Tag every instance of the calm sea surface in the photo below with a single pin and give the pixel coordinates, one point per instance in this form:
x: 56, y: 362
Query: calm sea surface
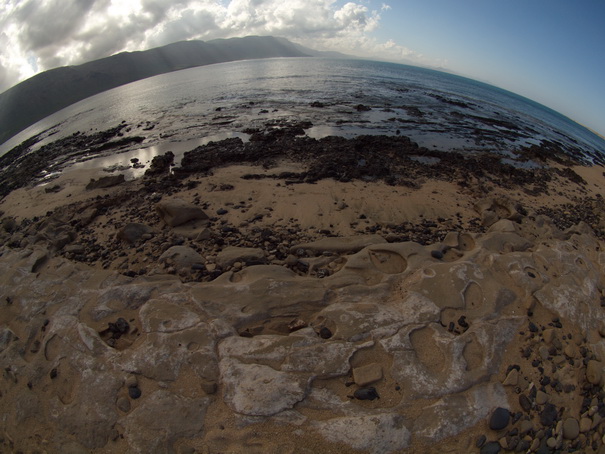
x: 180, y: 110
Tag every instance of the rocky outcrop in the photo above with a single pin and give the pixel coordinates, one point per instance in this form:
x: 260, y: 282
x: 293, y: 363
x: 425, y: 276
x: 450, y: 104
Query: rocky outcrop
x: 400, y: 347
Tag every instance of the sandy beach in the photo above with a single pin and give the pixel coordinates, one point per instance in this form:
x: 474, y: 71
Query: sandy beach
x: 306, y: 303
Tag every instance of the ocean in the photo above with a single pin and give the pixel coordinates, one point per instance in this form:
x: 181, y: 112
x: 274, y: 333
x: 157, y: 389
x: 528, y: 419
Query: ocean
x: 181, y: 110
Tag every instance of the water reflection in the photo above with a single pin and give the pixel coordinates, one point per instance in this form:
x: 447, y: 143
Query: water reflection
x: 123, y: 162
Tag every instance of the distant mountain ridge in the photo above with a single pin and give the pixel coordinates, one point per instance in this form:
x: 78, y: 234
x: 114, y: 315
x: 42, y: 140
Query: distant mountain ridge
x: 50, y: 91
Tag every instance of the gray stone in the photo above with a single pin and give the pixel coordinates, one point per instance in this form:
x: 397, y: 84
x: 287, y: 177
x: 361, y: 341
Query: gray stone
x: 541, y: 398
x: 594, y: 372
x: 571, y: 429
x: 183, y: 257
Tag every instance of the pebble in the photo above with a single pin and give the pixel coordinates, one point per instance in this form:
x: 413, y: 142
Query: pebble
x: 551, y: 442
x: 123, y: 404
x: 524, y: 402
x: 594, y: 371
x: 548, y: 335
x: 512, y: 379
x: 525, y: 426
x: 134, y: 392
x: 499, y: 419
x: 209, y: 387
x: 570, y: 351
x: 585, y: 424
x: 325, y: 333
x: 541, y: 398
x: 596, y: 419
x: 548, y: 415
x: 571, y: 429
x: 493, y: 447
x: 131, y: 381
x: 437, y: 254
x: 368, y: 393
x: 481, y: 439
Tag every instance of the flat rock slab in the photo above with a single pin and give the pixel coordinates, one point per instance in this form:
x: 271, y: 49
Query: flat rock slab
x: 339, y: 244
x: 232, y: 254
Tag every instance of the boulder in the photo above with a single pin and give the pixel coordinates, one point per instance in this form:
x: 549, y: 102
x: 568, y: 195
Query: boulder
x: 183, y: 257
x: 133, y: 232
x: 175, y: 212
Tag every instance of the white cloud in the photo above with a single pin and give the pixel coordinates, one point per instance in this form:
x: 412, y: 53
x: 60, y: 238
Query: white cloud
x: 42, y: 34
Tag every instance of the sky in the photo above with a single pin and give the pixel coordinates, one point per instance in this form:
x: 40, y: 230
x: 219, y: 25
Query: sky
x: 551, y: 51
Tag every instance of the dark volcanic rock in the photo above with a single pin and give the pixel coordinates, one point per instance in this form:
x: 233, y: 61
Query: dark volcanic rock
x: 368, y: 393
x: 493, y: 447
x: 549, y: 415
x: 160, y: 164
x: 499, y: 419
x: 106, y: 182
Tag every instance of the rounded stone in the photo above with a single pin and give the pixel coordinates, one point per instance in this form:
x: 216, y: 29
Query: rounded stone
x: 571, y: 429
x: 123, y: 404
x: 525, y: 426
x: 131, y: 381
x: 551, y: 442
x: 594, y: 371
x: 134, y: 392
x: 493, y: 447
x: 499, y: 419
x: 541, y: 398
x: 585, y: 424
x: 480, y: 441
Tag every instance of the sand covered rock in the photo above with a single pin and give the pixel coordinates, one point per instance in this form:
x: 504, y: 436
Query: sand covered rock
x: 175, y: 212
x: 230, y: 255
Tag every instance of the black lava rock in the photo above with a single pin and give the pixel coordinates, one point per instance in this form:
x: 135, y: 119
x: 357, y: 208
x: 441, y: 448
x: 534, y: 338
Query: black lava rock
x: 134, y: 392
x: 499, y: 419
x: 480, y: 441
x: 368, y: 393
x: 493, y: 447
x: 437, y: 254
x: 325, y: 333
x: 549, y: 415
